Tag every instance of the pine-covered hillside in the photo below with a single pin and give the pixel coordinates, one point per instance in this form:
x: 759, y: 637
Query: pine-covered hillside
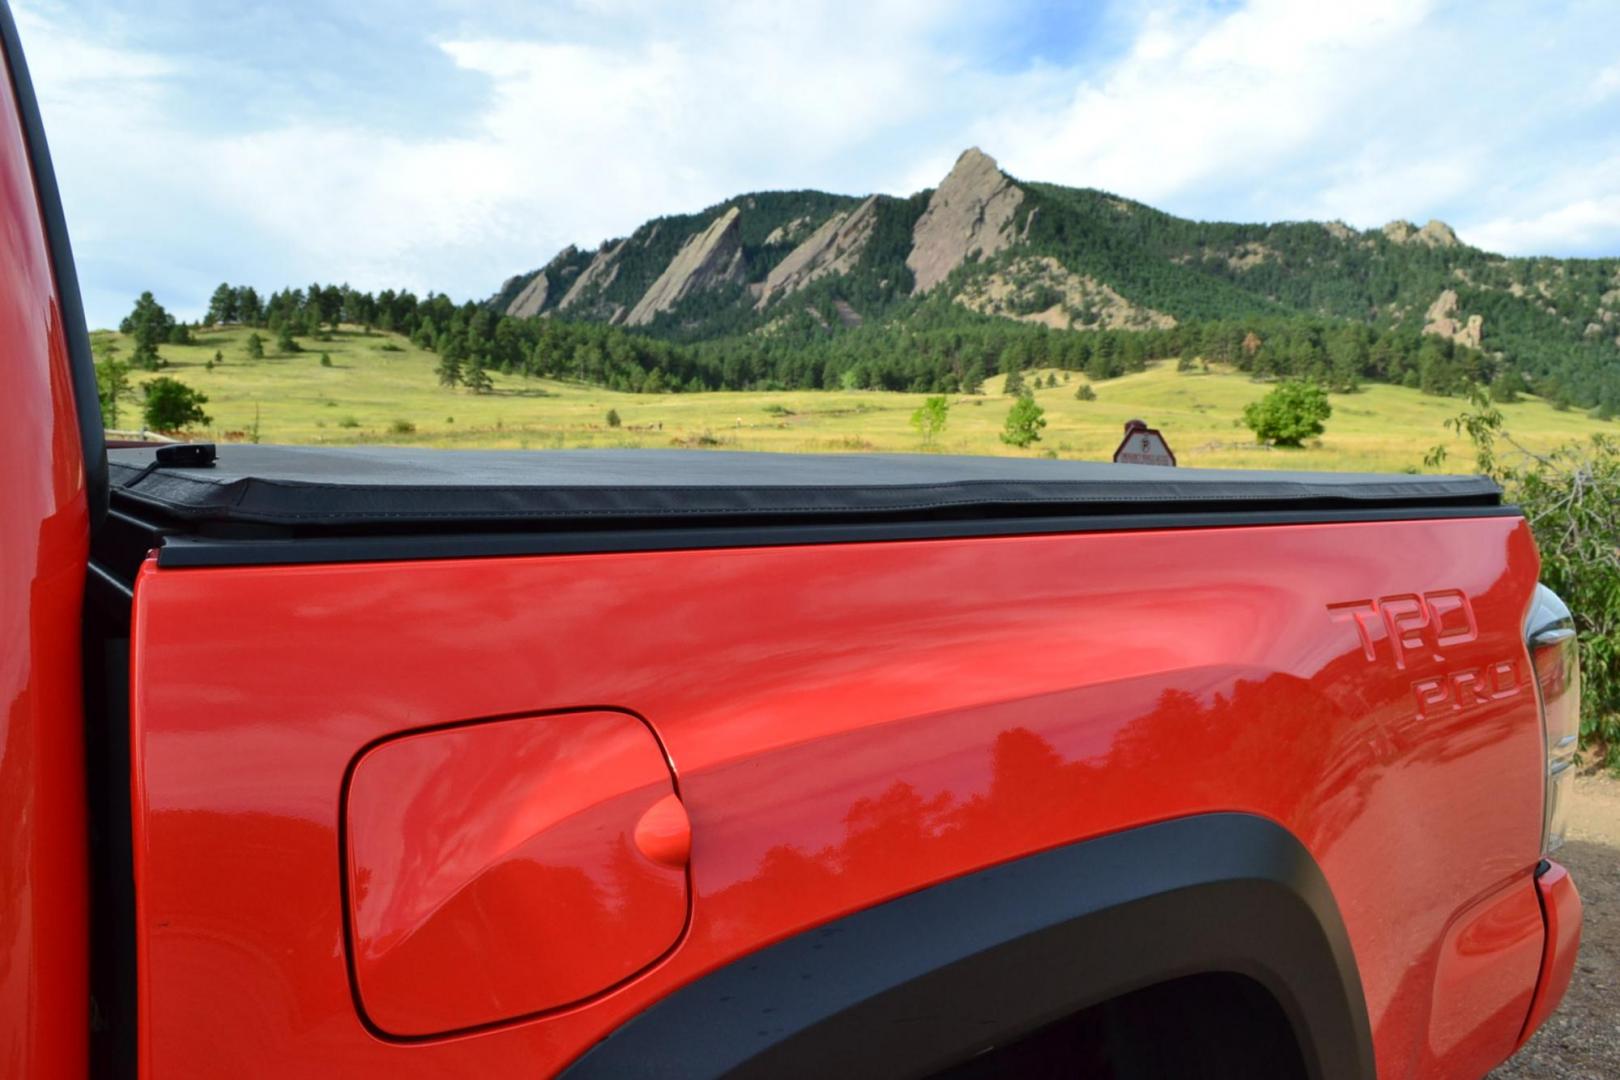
x: 810, y: 289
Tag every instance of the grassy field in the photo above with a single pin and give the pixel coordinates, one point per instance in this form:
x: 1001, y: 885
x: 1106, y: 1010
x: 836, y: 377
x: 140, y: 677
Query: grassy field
x: 380, y: 389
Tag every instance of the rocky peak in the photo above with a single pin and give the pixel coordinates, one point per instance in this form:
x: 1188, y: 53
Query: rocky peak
x: 970, y: 214
x: 1435, y: 234
x: 709, y: 258
x: 833, y: 248
x: 1399, y: 232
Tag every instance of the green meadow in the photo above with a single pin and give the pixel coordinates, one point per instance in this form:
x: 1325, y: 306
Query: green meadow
x: 381, y: 389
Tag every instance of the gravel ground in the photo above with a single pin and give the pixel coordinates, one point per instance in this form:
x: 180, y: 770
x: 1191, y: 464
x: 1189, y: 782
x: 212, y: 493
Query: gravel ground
x: 1581, y: 1041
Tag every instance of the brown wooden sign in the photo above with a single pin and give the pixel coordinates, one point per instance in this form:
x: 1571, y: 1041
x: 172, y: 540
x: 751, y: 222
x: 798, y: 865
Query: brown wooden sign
x: 1143, y: 445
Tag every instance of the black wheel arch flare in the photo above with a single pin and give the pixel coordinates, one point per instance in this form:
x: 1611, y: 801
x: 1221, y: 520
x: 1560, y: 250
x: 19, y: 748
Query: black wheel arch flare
x: 932, y: 978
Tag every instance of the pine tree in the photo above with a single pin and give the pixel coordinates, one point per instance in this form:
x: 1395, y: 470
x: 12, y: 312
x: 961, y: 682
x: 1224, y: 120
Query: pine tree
x: 222, y: 306
x: 449, y: 369
x: 150, y: 326
x: 285, y: 342
x: 477, y: 378
x: 255, y: 346
x: 249, y: 308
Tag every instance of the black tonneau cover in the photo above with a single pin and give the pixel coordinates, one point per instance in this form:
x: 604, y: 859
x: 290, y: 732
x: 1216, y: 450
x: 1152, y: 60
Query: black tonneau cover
x: 311, y: 490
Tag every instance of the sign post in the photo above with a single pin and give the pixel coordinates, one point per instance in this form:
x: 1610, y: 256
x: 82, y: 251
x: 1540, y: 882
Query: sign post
x: 1143, y: 445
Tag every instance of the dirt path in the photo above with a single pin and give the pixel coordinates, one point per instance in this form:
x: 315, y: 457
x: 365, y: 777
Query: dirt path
x: 1582, y: 1039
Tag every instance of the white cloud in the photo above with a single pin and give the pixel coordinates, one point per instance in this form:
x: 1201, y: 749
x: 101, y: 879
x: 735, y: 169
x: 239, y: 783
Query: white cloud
x: 1606, y: 85
x: 578, y: 142
x: 1200, y: 97
x: 1575, y: 210
x: 625, y: 110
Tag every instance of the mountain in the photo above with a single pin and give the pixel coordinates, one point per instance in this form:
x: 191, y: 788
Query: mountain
x: 796, y: 270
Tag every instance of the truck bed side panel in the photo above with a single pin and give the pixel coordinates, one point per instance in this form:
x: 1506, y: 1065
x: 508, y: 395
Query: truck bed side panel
x: 848, y: 724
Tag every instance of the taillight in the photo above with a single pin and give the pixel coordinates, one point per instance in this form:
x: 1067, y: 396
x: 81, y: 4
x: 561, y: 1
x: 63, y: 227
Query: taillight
x: 1550, y: 637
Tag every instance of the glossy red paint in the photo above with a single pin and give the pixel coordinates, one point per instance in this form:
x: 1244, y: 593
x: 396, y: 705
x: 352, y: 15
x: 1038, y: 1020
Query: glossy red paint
x: 1484, y: 979
x: 847, y: 724
x: 492, y: 870
x: 664, y: 833
x: 1561, y: 907
x: 44, y: 535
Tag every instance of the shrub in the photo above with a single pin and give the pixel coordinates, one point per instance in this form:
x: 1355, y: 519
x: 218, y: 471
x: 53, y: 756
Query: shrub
x: 348, y: 422
x: 402, y: 427
x: 326, y: 359
x: 1085, y: 393
x: 613, y: 418
x: 1290, y: 414
x: 171, y: 405
x: 1568, y: 496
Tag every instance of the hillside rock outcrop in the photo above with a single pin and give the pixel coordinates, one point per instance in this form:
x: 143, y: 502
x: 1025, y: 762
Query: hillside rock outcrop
x: 833, y: 248
x: 1039, y: 289
x: 707, y: 260
x: 969, y: 215
x: 1442, y: 320
x: 788, y: 232
x: 595, y: 277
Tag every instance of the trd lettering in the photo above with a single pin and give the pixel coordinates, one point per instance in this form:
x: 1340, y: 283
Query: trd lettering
x: 1414, y: 624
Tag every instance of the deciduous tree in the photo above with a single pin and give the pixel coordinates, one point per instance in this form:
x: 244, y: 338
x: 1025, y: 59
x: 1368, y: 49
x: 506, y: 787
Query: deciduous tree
x: 171, y: 405
x: 1024, y: 423
x: 1289, y: 414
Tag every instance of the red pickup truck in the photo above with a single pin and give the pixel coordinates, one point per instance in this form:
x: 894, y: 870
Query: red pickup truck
x: 397, y: 763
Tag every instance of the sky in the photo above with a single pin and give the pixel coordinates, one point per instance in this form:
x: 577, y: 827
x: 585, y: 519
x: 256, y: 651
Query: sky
x: 446, y: 145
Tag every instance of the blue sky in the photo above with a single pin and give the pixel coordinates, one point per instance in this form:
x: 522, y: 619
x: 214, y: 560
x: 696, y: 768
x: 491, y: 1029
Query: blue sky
x: 446, y: 145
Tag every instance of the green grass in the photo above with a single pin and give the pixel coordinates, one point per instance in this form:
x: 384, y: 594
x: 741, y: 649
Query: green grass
x: 373, y: 394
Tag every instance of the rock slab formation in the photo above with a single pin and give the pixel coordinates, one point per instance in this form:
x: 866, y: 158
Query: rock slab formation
x: 597, y: 276
x: 531, y: 299
x: 969, y: 215
x: 707, y: 260
x: 834, y: 248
